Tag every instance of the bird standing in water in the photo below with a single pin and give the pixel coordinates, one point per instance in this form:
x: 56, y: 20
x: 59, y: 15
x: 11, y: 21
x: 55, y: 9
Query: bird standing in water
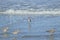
x: 29, y: 25
x: 51, y: 37
x: 51, y: 31
x: 15, y: 32
x: 5, y: 29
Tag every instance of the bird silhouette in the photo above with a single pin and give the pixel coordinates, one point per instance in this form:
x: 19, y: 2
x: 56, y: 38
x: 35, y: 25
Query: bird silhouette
x: 29, y: 20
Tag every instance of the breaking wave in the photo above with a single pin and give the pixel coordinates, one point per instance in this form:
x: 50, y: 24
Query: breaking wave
x: 12, y: 11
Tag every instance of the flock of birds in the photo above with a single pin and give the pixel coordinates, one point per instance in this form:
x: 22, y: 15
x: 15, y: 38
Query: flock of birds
x: 5, y: 30
x: 5, y: 34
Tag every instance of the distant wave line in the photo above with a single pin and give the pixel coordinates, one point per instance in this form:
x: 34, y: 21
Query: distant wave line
x: 30, y: 12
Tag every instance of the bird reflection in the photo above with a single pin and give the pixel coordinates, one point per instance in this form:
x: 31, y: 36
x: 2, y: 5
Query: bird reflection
x: 14, y: 38
x: 5, y: 35
x: 29, y: 25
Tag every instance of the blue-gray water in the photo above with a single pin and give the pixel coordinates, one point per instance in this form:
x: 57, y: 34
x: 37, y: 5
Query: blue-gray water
x: 29, y: 4
x: 39, y: 25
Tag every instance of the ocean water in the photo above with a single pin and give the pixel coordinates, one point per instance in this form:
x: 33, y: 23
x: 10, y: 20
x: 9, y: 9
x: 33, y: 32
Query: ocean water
x: 39, y: 5
x: 39, y: 25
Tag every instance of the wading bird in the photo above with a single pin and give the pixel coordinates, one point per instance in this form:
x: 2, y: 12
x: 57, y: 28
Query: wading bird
x: 15, y: 32
x: 29, y: 25
x: 51, y: 31
x: 5, y: 29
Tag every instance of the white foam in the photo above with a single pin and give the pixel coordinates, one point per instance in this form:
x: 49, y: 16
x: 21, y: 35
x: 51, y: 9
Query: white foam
x: 11, y: 11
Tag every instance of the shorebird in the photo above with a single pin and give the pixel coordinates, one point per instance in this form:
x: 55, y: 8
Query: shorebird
x: 5, y: 29
x: 15, y: 32
x: 51, y: 31
x: 29, y: 20
x: 51, y: 37
x: 29, y: 25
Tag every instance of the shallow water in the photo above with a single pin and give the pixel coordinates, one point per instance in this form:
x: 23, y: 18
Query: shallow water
x: 39, y: 25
